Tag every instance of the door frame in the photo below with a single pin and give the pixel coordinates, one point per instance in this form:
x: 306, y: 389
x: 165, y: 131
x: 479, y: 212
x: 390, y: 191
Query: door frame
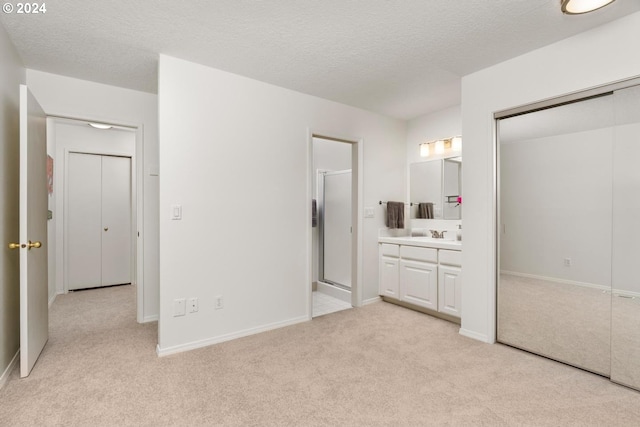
x: 137, y: 204
x: 357, y: 206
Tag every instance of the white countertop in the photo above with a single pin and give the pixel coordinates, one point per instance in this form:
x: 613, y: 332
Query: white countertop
x: 425, y: 242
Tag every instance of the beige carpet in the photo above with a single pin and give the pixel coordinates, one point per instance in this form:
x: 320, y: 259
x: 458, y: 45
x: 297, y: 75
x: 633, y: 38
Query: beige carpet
x: 377, y: 365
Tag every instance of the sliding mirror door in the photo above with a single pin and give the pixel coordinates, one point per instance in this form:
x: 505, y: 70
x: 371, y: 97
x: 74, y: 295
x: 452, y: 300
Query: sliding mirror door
x: 625, y: 301
x: 555, y: 226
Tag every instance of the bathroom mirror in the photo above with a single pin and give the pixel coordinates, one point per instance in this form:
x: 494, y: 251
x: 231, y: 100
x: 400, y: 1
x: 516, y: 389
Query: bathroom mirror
x: 438, y: 182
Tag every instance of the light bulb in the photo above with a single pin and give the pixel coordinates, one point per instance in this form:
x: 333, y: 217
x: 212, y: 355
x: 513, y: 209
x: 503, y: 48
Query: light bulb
x: 456, y: 143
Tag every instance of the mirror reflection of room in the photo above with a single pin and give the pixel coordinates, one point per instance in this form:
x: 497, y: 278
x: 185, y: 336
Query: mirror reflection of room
x: 436, y: 189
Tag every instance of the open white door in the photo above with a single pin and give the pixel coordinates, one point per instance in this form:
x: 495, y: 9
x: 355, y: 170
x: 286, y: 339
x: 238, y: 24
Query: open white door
x: 34, y: 308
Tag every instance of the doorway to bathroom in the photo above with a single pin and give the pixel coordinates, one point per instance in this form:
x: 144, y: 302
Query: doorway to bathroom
x: 332, y: 226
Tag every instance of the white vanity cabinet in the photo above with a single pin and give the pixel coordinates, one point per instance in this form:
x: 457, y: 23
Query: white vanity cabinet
x: 425, y: 277
x: 389, y: 270
x: 419, y: 276
x: 449, y: 282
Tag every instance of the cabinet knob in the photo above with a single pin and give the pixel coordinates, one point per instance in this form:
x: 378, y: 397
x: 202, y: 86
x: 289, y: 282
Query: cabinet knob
x: 106, y: 229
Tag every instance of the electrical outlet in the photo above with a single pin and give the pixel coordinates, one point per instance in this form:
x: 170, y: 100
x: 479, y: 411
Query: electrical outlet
x: 567, y: 262
x: 179, y: 307
x: 218, y: 302
x: 192, y: 303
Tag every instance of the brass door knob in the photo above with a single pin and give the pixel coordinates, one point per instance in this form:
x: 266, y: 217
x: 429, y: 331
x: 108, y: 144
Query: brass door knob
x: 106, y: 229
x: 15, y: 246
x: 34, y: 245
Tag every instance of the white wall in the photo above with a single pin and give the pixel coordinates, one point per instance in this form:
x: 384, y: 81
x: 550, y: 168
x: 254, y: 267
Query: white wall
x: 234, y: 152
x: 68, y: 97
x: 327, y: 155
x: 599, y: 56
x: 12, y: 74
x: 78, y: 136
x: 556, y: 197
x: 429, y: 127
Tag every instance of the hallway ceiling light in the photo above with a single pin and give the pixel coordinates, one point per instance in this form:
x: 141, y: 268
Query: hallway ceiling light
x: 576, y: 7
x: 100, y: 125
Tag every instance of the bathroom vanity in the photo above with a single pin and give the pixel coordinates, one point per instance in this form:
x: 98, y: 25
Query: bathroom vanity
x: 422, y: 273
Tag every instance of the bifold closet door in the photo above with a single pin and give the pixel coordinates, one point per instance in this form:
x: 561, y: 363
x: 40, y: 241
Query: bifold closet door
x: 116, y: 220
x: 98, y: 221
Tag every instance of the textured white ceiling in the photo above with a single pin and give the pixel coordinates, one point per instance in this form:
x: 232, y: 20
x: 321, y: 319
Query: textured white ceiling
x: 401, y: 58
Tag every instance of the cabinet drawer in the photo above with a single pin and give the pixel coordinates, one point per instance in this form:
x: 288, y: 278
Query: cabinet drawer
x: 388, y: 249
x: 419, y: 254
x: 451, y: 257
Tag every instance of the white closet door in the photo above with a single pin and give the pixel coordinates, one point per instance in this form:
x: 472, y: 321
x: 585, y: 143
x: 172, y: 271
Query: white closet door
x: 337, y: 227
x: 84, y: 239
x: 116, y: 220
x: 99, y: 221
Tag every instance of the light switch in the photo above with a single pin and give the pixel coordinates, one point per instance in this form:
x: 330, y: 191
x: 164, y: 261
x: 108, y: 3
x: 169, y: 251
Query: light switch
x: 176, y: 212
x: 179, y: 307
x: 369, y: 212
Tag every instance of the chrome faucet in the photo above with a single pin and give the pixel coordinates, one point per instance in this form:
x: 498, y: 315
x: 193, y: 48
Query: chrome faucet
x: 437, y: 234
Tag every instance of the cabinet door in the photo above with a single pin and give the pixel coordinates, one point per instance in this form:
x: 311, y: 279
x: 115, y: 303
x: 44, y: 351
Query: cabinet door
x: 419, y: 283
x: 389, y: 277
x: 449, y: 290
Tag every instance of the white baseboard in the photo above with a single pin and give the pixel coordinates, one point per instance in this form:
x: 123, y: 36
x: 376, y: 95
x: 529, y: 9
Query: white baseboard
x: 474, y: 335
x: 152, y: 318
x: 371, y: 300
x: 334, y: 291
x: 52, y: 299
x: 227, y: 337
x: 556, y: 280
x: 7, y: 372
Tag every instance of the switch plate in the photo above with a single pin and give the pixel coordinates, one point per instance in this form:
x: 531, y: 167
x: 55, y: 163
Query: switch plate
x: 218, y: 302
x: 176, y: 212
x: 192, y: 303
x: 369, y: 212
x: 179, y: 307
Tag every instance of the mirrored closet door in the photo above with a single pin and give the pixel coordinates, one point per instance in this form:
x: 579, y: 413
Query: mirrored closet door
x: 569, y: 234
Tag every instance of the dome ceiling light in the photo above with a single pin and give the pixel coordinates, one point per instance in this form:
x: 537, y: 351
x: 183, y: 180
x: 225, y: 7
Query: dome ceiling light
x: 577, y: 7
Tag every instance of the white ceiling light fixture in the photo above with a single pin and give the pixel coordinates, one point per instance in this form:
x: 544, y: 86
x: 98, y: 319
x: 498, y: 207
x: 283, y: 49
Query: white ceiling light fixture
x: 577, y: 7
x: 100, y: 125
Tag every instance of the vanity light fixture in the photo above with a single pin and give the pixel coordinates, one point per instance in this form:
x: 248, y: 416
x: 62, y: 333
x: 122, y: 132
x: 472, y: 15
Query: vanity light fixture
x: 456, y: 143
x: 577, y: 7
x: 100, y: 125
x: 424, y: 150
x: 440, y: 146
